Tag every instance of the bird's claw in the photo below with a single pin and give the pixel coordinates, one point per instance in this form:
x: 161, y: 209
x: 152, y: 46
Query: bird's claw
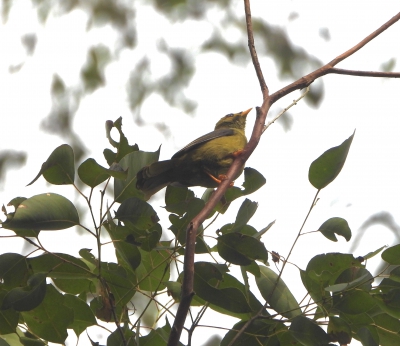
x: 220, y: 178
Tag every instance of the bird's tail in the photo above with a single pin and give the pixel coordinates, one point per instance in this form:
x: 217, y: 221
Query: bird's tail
x: 154, y: 177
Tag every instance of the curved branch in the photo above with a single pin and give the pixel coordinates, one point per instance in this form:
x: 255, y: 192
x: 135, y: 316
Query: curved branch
x: 268, y: 100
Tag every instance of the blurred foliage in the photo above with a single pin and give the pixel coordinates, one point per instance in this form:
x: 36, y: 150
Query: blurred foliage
x: 9, y: 159
x: 292, y: 62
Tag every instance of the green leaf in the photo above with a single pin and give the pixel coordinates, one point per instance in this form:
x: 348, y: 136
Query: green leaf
x: 14, y: 270
x: 246, y: 211
x: 138, y: 213
x: 241, y: 249
x: 206, y: 276
x: 128, y: 254
x: 395, y: 274
x: 392, y: 255
x: 277, y: 294
x: 356, y: 277
x: 374, y: 253
x: 355, y: 302
x: 390, y: 302
x: 121, y: 282
x: 115, y: 338
x: 317, y: 292
x: 133, y: 162
x: 83, y: 315
x: 328, y: 166
x: 47, y: 211
x: 92, y: 174
x: 10, y: 340
x: 256, y: 334
x: 179, y: 225
x: 28, y: 297
x: 157, y: 337
x: 8, y: 318
x: 59, y: 168
x: 388, y: 329
x: 366, y: 337
x: 307, y: 332
x: 325, y: 268
x: 60, y: 266
x: 123, y: 147
x: 253, y: 180
x: 335, y: 225
x: 153, y: 270
x: 50, y: 319
x: 177, y: 199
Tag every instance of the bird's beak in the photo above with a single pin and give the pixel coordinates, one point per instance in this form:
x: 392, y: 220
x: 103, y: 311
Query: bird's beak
x: 244, y: 113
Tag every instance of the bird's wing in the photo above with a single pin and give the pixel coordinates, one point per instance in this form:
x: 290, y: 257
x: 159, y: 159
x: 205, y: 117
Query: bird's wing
x: 203, y: 139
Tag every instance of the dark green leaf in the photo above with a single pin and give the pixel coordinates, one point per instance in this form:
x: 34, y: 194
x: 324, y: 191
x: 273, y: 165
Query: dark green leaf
x: 335, y: 225
x: 47, y: 211
x: 179, y: 225
x: 28, y: 297
x: 8, y: 318
x: 59, y: 169
x: 138, y: 213
x: 157, y: 337
x: 115, y: 338
x: 307, y: 332
x: 83, y: 316
x: 241, y: 249
x: 92, y: 174
x: 339, y: 330
x: 256, y: 334
x: 50, y: 319
x: 133, y: 162
x: 392, y: 255
x: 230, y: 298
x: 276, y: 293
x: 328, y: 166
x: 128, y: 254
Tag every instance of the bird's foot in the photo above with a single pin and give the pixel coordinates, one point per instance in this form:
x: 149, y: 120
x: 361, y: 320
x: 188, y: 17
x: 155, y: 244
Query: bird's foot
x: 220, y: 178
x: 237, y: 153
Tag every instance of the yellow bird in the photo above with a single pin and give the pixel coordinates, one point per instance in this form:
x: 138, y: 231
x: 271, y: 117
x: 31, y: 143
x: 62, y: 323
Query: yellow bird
x: 203, y: 162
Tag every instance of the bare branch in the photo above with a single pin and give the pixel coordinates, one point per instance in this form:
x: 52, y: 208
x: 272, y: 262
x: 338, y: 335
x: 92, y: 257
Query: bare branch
x: 365, y: 73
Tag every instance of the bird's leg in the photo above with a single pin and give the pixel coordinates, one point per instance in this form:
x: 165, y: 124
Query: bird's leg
x: 220, y: 178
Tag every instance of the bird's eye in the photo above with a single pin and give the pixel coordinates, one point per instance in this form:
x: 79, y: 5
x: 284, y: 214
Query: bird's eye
x: 229, y: 115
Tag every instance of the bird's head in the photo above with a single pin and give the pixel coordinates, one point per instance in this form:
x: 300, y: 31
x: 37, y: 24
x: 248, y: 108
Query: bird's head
x: 237, y: 120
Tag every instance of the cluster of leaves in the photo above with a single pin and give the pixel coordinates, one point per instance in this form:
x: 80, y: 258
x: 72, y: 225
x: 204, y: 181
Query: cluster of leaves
x: 44, y: 294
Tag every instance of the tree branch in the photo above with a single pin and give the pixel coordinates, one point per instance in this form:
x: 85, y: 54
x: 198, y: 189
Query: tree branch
x: 268, y: 100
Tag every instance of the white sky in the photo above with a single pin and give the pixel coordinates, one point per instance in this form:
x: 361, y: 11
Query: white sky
x: 369, y: 182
